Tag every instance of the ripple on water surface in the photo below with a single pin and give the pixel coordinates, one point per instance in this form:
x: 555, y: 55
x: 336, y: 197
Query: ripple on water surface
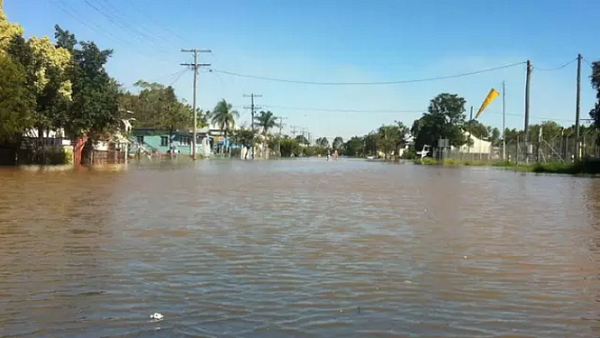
x: 299, y: 248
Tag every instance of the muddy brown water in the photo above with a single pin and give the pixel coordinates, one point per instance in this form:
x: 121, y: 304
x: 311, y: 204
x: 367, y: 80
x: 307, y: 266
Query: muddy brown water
x: 298, y: 248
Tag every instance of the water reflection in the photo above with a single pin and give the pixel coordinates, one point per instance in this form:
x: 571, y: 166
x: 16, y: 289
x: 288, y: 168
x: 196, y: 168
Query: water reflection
x: 298, y: 248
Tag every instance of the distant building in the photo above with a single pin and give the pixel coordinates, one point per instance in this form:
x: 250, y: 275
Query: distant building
x: 478, y: 146
x: 410, y: 141
x: 157, y: 141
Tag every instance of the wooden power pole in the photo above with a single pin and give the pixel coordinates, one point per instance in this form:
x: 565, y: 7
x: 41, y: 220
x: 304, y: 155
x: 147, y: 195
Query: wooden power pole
x: 195, y: 67
x: 252, y: 110
x: 527, y: 84
x: 578, y: 108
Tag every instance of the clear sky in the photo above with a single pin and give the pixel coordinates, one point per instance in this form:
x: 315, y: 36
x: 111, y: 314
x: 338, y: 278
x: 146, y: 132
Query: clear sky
x: 342, y: 41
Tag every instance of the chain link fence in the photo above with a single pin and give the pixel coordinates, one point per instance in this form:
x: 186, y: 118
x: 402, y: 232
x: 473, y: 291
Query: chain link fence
x: 559, y: 149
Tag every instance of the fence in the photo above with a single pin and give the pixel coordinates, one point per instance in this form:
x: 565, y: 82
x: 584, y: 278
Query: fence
x: 108, y: 157
x: 562, y: 148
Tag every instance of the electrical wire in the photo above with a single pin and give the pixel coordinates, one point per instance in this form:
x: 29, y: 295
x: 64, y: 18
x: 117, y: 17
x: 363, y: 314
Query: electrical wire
x: 124, y: 18
x: 556, y: 68
x: 367, y: 83
x: 588, y: 63
x: 70, y: 11
x: 177, y: 78
x: 119, y: 22
x: 345, y: 110
x: 166, y: 29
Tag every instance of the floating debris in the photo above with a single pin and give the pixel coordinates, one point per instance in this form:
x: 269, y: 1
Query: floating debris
x: 407, y: 282
x: 156, y: 316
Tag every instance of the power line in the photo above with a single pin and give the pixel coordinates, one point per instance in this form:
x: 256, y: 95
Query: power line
x: 124, y: 18
x: 556, y: 68
x: 178, y: 77
x: 532, y: 116
x: 119, y: 22
x: 166, y: 29
x: 346, y: 110
x: 367, y: 83
x: 588, y: 63
x: 70, y: 11
x: 400, y: 111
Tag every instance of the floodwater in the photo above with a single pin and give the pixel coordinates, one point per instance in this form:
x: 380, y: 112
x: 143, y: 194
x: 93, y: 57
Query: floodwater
x: 298, y: 248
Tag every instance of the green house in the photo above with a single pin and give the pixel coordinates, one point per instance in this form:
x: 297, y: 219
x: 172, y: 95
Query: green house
x: 158, y: 141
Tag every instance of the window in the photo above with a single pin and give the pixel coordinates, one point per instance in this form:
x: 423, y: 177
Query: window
x: 185, y: 140
x: 164, y: 141
x: 140, y: 139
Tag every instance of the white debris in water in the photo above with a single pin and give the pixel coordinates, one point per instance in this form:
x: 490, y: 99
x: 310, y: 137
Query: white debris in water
x: 156, y: 316
x: 465, y: 257
x: 407, y: 282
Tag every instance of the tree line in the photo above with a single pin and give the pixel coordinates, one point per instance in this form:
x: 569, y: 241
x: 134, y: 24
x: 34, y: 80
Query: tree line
x: 49, y: 85
x: 63, y: 85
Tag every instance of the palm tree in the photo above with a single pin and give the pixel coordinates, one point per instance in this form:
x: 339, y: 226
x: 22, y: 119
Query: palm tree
x: 266, y: 120
x: 224, y: 116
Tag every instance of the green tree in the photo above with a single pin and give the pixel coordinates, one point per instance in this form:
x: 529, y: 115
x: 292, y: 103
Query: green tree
x: 7, y: 30
x: 94, y: 111
x: 388, y: 139
x: 16, y: 102
x: 173, y: 115
x: 338, y: 143
x: 266, y: 121
x: 244, y: 137
x: 371, y: 143
x: 322, y: 142
x: 595, y: 79
x: 46, y: 69
x: 477, y: 129
x: 494, y: 136
x: 224, y: 116
x: 289, y: 147
x: 355, y: 147
x: 302, y: 140
x: 444, y: 119
x: 391, y: 137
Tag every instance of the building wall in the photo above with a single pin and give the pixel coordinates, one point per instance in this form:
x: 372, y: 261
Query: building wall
x: 180, y: 142
x: 479, y: 146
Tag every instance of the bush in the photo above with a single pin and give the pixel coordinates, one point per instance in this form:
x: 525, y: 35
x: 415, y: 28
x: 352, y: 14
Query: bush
x: 409, y: 154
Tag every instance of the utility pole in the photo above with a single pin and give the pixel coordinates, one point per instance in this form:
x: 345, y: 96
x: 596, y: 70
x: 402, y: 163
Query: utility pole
x: 527, y: 82
x: 252, y: 107
x: 195, y: 67
x: 539, y: 149
x: 470, y: 131
x: 503, y: 121
x: 294, y: 128
x: 281, y: 118
x: 577, y: 107
x: 252, y: 110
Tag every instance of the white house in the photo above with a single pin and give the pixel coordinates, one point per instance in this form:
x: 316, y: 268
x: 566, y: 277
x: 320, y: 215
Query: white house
x: 479, y: 146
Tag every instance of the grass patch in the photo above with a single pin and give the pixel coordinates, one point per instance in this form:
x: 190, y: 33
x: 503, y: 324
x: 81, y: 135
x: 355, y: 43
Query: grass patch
x: 449, y: 161
x: 584, y: 167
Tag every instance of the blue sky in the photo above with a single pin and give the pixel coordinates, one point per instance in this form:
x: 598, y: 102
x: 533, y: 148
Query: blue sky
x: 342, y: 41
